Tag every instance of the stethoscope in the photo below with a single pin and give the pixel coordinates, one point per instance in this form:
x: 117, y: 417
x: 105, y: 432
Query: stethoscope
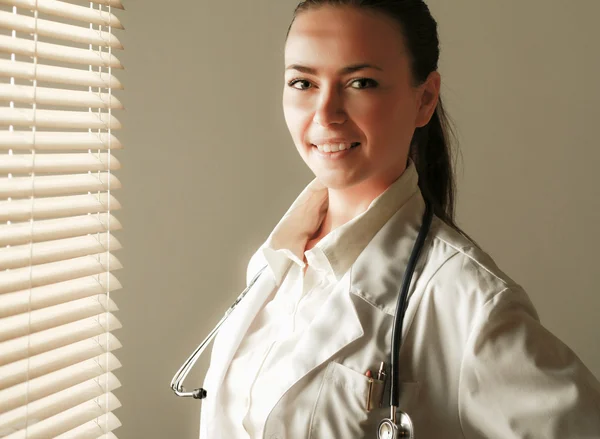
x: 399, y: 424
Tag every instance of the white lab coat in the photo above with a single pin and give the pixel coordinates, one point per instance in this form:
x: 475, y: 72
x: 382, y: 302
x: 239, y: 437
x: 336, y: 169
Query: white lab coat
x: 475, y: 361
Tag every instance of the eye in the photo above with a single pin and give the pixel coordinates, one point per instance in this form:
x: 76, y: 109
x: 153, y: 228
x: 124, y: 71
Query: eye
x: 294, y: 81
x: 363, y: 80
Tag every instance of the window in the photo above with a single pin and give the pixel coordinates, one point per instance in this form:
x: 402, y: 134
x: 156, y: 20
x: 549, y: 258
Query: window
x: 57, y: 348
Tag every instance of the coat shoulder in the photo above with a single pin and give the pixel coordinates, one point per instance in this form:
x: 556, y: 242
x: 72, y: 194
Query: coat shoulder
x: 470, y: 269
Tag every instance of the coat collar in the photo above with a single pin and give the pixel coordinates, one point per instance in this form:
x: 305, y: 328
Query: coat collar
x: 337, y: 251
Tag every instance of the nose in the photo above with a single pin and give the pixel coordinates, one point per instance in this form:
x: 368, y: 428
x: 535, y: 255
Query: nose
x: 330, y: 108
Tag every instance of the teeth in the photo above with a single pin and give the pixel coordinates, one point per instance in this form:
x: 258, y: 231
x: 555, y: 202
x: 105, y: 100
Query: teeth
x: 333, y: 147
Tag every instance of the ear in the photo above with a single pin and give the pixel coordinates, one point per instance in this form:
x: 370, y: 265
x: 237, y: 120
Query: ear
x: 429, y: 93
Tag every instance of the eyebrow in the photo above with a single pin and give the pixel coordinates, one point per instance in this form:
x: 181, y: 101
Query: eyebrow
x: 344, y: 71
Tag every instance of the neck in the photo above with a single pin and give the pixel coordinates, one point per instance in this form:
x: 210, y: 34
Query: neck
x: 349, y: 202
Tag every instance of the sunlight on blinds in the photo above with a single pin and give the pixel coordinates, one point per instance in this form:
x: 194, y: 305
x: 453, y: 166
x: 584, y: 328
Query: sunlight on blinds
x: 56, y: 218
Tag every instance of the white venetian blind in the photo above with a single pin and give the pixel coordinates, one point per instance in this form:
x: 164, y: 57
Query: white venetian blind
x: 56, y: 218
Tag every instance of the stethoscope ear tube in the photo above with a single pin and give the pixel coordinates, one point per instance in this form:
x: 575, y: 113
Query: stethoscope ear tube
x: 401, y: 305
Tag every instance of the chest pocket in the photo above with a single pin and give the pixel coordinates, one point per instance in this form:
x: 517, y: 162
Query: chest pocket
x: 340, y: 410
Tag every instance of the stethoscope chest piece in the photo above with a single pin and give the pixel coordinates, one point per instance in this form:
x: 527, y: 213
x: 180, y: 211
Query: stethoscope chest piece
x: 388, y: 429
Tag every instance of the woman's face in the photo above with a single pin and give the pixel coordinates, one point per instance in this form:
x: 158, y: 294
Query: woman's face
x: 348, y: 80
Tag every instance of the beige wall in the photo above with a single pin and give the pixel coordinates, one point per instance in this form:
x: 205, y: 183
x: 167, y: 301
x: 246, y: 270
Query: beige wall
x: 207, y: 145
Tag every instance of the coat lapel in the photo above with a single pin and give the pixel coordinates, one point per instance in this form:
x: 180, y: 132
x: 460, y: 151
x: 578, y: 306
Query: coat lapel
x: 335, y: 326
x: 378, y: 271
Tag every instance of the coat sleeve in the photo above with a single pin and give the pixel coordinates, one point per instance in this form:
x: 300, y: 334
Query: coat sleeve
x: 518, y: 380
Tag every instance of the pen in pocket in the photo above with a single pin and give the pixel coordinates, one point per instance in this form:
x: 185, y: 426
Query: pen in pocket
x: 370, y: 389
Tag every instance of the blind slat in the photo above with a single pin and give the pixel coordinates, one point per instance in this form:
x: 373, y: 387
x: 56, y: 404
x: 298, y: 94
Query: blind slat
x: 53, y: 316
x: 44, y: 230
x: 52, y: 185
x: 60, y: 292
x: 57, y: 141
x: 42, y: 364
x: 58, y: 119
x: 53, y: 404
x: 69, y: 419
x: 58, y: 52
x: 70, y: 162
x: 59, y: 250
x: 45, y: 274
x: 53, y: 338
x: 74, y: 12
x: 59, y: 75
x: 40, y: 387
x: 27, y: 94
x: 42, y: 208
x: 94, y: 429
x: 53, y: 29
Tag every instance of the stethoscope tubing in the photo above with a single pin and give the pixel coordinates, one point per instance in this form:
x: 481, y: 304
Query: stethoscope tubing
x: 401, y: 305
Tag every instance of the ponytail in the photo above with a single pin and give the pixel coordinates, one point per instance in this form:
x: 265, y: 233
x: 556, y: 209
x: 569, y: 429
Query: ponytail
x: 430, y: 150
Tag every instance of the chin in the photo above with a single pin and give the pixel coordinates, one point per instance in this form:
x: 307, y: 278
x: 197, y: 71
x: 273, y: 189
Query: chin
x: 336, y: 180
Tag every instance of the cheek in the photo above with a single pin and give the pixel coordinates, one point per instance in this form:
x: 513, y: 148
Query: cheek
x: 375, y: 119
x: 392, y: 119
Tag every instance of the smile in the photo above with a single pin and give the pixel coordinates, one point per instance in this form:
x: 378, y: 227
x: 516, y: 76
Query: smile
x: 335, y: 147
x: 336, y: 151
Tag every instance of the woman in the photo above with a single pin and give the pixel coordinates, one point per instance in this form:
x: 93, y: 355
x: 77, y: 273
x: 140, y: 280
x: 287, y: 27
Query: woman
x: 296, y: 358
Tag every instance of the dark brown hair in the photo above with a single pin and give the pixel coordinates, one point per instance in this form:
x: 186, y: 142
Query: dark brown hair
x: 431, y: 147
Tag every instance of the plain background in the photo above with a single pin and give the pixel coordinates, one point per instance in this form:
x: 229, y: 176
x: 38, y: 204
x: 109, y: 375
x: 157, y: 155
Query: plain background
x: 209, y: 168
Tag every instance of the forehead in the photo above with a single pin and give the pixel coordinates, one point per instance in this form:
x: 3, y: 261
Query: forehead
x: 343, y: 34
